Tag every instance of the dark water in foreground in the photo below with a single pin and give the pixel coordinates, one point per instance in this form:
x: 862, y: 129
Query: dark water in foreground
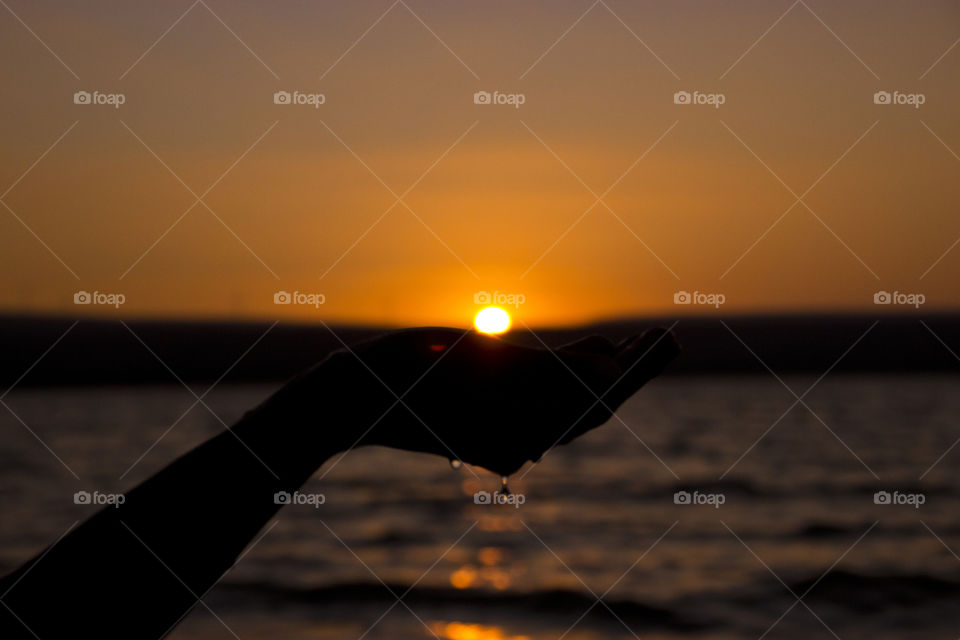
x: 798, y: 516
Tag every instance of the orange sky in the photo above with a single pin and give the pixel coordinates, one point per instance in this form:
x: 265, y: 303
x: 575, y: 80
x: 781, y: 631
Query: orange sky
x: 500, y: 198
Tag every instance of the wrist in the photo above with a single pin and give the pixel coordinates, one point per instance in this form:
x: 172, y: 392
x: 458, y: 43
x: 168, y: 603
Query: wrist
x: 325, y: 410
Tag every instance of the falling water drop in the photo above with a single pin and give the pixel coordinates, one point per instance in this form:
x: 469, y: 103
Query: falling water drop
x: 504, y: 489
x: 455, y: 464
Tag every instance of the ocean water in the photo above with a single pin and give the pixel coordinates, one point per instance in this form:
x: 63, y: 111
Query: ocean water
x: 782, y: 536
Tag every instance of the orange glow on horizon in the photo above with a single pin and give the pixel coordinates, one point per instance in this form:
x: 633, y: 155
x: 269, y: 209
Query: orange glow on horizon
x: 303, y: 198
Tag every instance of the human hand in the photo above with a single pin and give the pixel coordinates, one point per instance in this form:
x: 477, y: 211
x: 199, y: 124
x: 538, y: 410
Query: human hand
x: 480, y: 399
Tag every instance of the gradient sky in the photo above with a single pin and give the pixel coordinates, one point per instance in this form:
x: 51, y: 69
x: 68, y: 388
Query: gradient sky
x: 701, y: 197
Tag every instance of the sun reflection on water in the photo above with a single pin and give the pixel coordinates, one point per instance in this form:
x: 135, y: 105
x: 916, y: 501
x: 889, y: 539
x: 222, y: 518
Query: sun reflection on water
x: 463, y: 631
x: 489, y: 571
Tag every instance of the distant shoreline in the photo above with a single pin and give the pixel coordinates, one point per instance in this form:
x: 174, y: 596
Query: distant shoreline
x: 106, y: 352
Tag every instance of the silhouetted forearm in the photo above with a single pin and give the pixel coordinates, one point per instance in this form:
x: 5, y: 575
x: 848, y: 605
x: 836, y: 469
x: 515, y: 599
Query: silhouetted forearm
x: 136, y: 570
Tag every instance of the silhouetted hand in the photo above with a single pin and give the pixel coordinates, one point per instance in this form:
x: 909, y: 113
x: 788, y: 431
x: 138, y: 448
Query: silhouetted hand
x: 457, y: 394
x: 481, y: 399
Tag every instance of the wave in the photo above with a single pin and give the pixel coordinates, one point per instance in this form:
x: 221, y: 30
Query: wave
x: 856, y: 592
x: 756, y: 487
x: 544, y: 602
x: 863, y: 592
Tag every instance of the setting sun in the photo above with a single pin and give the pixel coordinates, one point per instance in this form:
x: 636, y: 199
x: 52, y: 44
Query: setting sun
x: 492, y: 320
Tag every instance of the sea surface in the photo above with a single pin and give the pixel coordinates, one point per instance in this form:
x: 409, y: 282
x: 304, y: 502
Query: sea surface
x: 782, y: 536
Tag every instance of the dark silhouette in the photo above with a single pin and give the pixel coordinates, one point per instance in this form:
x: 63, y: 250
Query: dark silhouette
x: 137, y: 570
x: 102, y: 351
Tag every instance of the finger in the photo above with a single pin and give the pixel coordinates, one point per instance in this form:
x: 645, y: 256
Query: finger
x: 638, y: 359
x: 641, y: 358
x: 595, y: 344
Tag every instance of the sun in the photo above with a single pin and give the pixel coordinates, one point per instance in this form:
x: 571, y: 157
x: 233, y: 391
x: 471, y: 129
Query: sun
x: 492, y: 320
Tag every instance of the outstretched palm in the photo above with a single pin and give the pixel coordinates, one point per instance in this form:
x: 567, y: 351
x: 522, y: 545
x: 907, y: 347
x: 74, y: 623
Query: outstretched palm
x: 486, y: 401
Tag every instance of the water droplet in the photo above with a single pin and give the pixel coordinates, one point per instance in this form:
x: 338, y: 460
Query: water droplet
x: 455, y: 464
x: 504, y: 489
